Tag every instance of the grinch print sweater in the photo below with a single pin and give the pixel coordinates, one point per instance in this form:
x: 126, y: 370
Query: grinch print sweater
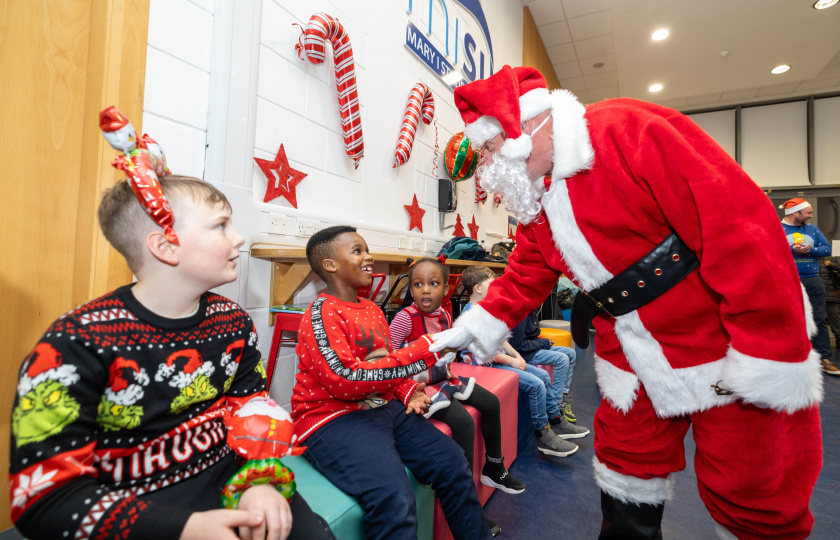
x: 115, y: 402
x: 347, y: 363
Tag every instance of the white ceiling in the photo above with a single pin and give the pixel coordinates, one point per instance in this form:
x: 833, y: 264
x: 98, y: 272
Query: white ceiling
x: 757, y: 35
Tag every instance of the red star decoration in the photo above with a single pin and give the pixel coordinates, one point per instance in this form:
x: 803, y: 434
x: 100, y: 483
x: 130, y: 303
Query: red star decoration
x: 282, y: 178
x: 416, y: 214
x: 473, y: 229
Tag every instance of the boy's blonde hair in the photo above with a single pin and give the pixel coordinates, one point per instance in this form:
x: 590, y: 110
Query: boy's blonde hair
x: 124, y: 221
x: 475, y: 275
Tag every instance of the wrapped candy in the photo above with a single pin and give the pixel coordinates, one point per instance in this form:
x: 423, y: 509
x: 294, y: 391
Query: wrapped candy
x: 144, y: 163
x: 313, y: 42
x: 261, y: 432
x: 419, y: 95
x: 459, y: 157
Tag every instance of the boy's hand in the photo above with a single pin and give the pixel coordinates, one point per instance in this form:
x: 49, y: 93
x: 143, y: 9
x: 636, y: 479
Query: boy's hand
x: 419, y: 402
x: 268, y: 503
x: 454, y: 338
x: 219, y: 524
x: 520, y: 363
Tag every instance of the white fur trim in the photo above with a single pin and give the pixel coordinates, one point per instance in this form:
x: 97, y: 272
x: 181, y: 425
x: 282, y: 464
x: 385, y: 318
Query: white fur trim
x: 723, y: 533
x: 673, y: 392
x: 519, y: 148
x: 619, y: 387
x: 533, y: 103
x: 488, y: 331
x: 797, y: 208
x: 810, y: 325
x: 632, y: 490
x: 572, y: 149
x: 482, y: 130
x: 782, y: 386
x: 568, y: 238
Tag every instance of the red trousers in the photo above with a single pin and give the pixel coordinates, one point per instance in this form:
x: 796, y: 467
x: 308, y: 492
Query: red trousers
x: 756, y: 468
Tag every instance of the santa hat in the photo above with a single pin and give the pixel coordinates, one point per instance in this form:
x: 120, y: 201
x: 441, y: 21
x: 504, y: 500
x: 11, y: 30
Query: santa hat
x: 122, y: 391
x: 193, y: 367
x: 794, y: 205
x: 44, y: 363
x: 499, y: 104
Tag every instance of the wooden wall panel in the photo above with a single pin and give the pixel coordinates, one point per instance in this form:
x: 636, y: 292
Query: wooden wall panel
x: 62, y: 61
x: 533, y: 51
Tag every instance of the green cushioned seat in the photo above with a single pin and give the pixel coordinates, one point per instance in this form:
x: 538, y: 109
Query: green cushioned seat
x: 341, y: 512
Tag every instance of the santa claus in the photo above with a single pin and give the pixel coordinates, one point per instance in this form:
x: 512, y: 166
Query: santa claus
x: 687, y: 277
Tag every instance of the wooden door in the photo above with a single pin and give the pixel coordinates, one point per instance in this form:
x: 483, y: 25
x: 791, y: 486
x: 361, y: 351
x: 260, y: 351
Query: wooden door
x: 61, y: 62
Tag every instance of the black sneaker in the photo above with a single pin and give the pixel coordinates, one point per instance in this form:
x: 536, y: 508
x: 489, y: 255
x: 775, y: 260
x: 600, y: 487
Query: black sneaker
x: 500, y: 478
x: 549, y: 443
x: 495, y: 530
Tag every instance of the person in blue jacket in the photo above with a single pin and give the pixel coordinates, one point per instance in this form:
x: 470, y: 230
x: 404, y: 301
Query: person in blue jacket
x: 808, y: 244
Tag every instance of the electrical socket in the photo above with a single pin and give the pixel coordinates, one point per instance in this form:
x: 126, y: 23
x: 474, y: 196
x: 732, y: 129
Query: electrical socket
x: 305, y: 227
x: 402, y: 241
x: 429, y: 245
x: 276, y: 223
x: 415, y: 244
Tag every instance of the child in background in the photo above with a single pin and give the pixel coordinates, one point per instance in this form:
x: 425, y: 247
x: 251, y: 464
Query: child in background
x: 354, y: 398
x: 428, y: 283
x: 525, y: 339
x: 119, y: 422
x: 533, y: 381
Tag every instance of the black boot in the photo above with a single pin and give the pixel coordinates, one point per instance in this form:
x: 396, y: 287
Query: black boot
x: 629, y: 520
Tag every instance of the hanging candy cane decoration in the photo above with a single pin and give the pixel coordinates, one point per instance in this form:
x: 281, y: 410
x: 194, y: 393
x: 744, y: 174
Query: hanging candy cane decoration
x: 313, y: 42
x: 419, y: 95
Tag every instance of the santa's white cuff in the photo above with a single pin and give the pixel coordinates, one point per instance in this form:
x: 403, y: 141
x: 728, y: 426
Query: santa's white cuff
x: 488, y: 332
x: 781, y: 386
x: 629, y: 489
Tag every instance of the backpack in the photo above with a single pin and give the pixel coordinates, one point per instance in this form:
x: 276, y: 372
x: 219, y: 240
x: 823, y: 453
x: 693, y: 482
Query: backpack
x: 502, y: 249
x: 464, y: 248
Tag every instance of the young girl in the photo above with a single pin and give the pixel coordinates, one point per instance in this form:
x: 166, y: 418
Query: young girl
x: 428, y: 282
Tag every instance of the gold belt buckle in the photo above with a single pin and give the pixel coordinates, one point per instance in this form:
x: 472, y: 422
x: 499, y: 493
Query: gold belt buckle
x: 599, y: 305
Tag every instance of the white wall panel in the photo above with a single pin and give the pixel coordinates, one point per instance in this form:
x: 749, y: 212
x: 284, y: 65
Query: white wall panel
x: 774, y: 144
x: 826, y: 137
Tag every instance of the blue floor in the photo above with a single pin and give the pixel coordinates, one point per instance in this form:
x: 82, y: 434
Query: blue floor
x: 563, y: 501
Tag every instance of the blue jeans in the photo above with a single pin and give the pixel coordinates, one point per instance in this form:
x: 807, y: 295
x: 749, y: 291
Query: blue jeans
x: 536, y: 383
x: 815, y: 288
x: 364, y: 453
x: 563, y: 361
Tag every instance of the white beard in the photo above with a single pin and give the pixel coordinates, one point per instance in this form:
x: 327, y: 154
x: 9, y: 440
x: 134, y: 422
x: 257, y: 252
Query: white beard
x: 509, y: 178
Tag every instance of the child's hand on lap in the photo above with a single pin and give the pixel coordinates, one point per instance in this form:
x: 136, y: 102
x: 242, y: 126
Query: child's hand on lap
x: 419, y: 402
x: 267, y: 502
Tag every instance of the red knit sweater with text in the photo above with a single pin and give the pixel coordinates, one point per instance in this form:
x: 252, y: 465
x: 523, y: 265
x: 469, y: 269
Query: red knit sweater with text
x: 347, y: 363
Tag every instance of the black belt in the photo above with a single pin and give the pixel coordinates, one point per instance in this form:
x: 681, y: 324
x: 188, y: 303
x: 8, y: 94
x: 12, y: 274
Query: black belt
x: 643, y: 281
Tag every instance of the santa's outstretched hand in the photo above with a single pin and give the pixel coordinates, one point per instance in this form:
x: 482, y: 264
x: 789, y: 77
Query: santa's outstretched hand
x: 454, y: 339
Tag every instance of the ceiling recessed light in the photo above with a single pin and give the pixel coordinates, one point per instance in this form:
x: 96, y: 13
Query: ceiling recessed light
x: 659, y: 35
x: 655, y: 87
x: 780, y: 69
x: 824, y: 4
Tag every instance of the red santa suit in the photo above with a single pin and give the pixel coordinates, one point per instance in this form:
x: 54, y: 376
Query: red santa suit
x: 625, y: 175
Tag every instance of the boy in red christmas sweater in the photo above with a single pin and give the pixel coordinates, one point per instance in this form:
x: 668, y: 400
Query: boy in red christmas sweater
x: 120, y: 420
x: 354, y: 397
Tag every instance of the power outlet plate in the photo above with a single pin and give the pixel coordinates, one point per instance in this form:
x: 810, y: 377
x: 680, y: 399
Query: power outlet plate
x: 429, y: 245
x: 415, y: 244
x: 402, y: 241
x: 276, y: 223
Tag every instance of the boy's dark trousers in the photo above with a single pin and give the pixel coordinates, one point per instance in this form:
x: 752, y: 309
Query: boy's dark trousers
x: 364, y: 454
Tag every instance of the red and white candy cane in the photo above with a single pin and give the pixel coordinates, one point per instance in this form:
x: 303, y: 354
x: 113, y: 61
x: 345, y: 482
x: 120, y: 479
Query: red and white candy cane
x: 313, y: 42
x: 419, y: 95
